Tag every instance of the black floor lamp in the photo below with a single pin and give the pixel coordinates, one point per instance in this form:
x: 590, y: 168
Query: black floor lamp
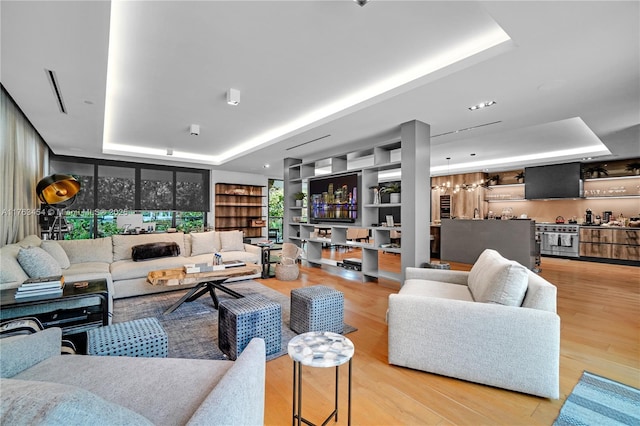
x: 59, y: 192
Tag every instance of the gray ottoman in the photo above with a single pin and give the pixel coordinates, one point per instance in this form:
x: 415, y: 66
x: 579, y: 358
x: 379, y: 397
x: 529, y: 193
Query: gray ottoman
x: 138, y: 338
x: 317, y: 308
x: 240, y: 320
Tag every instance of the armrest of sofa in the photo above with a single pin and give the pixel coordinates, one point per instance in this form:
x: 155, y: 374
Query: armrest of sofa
x: 19, y: 353
x: 510, y: 347
x: 238, y: 399
x: 442, y: 275
x: 254, y: 250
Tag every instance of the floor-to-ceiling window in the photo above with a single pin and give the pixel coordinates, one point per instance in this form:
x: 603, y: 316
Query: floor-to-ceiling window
x: 169, y: 197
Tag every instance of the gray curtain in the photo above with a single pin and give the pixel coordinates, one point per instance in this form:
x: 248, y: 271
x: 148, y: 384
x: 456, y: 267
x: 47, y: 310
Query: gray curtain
x: 25, y: 159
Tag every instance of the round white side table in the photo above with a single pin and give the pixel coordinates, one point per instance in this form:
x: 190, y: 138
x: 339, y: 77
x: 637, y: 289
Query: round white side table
x: 319, y: 349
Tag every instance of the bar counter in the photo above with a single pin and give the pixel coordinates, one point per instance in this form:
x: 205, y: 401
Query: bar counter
x: 463, y: 240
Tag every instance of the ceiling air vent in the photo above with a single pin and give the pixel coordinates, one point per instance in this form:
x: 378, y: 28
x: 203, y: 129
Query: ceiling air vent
x: 466, y: 129
x: 53, y: 80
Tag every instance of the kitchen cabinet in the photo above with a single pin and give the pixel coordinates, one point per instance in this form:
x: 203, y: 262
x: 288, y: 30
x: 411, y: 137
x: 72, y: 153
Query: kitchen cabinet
x: 596, y: 236
x: 611, y: 243
x: 595, y: 250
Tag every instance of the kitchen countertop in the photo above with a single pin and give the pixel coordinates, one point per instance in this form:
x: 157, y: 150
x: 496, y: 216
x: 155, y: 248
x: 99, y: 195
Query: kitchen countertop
x: 611, y: 227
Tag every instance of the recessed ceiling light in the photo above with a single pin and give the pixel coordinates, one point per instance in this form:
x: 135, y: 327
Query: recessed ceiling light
x: 266, y: 166
x: 473, y: 154
x: 482, y: 105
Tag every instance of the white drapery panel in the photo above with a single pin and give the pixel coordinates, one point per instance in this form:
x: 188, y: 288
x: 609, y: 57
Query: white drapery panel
x: 24, y: 162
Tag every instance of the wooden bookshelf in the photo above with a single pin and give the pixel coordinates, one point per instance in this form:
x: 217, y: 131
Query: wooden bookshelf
x: 240, y: 207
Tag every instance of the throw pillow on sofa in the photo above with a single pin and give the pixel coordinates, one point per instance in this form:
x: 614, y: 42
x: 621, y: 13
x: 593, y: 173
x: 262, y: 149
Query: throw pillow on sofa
x: 494, y: 279
x: 154, y: 251
x: 205, y: 243
x: 37, y: 263
x: 231, y: 241
x: 57, y: 252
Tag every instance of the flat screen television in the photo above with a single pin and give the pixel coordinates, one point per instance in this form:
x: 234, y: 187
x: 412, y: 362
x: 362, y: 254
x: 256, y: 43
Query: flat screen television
x: 334, y: 199
x: 554, y: 181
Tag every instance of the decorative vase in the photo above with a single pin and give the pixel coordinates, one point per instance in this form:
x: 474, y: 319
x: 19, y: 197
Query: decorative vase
x: 376, y: 196
x: 298, y: 203
x: 394, y: 197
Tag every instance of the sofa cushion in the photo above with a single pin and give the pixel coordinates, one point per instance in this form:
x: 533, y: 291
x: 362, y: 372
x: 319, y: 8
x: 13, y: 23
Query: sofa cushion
x: 123, y: 244
x: 57, y: 252
x: 494, y: 279
x: 87, y: 268
x: 128, y: 269
x: 35, y: 402
x: 11, y: 272
x: 19, y: 353
x: 37, y: 263
x: 154, y: 250
x: 204, y: 243
x: 167, y: 391
x: 442, y: 290
x: 30, y: 241
x: 91, y: 250
x: 231, y: 241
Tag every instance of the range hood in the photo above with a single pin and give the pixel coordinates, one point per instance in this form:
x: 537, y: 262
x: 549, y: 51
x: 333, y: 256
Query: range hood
x: 554, y: 181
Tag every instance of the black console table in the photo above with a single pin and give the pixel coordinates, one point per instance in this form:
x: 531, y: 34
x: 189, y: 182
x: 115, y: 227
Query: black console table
x: 76, y: 311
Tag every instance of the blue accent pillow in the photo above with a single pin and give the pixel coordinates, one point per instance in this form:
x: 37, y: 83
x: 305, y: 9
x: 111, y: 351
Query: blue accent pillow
x: 37, y: 263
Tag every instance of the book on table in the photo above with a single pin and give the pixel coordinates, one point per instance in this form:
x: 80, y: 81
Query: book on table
x: 41, y: 286
x: 47, y: 292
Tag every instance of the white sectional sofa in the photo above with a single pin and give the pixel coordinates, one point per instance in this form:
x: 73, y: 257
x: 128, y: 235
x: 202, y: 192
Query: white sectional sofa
x: 40, y: 386
x: 496, y: 325
x: 110, y: 258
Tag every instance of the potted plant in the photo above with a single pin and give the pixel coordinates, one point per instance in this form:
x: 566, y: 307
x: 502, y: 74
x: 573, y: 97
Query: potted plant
x: 596, y: 171
x: 299, y: 197
x: 520, y: 177
x: 393, y: 189
x: 634, y: 167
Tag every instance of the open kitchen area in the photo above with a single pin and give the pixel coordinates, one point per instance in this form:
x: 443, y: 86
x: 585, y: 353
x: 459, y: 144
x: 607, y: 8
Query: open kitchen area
x: 598, y: 219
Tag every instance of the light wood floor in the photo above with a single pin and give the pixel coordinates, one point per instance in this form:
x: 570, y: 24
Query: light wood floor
x: 599, y: 306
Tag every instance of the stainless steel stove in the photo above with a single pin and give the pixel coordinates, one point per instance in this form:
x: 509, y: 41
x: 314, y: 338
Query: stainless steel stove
x: 558, y: 239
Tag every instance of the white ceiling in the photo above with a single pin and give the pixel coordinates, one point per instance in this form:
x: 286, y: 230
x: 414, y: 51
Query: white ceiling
x: 569, y: 77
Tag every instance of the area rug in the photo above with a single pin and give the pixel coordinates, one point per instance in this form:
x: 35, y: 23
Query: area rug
x: 596, y: 400
x: 192, y: 329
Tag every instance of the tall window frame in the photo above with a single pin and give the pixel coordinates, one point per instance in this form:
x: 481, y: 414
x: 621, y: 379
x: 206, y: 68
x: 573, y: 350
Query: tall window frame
x: 187, y: 186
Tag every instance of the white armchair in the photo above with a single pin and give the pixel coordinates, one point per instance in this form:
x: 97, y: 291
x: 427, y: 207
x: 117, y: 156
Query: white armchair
x: 496, y: 325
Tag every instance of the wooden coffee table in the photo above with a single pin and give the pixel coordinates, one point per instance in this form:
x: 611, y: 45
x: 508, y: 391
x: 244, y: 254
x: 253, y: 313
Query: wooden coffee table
x: 206, y: 282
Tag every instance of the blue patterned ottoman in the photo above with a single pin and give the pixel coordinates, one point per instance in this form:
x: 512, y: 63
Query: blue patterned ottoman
x: 317, y: 308
x: 138, y: 338
x: 240, y: 320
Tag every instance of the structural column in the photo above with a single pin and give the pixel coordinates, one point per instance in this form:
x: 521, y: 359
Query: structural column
x: 415, y: 137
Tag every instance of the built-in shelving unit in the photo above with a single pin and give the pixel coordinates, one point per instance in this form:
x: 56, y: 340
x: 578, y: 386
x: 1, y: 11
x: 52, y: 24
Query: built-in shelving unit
x: 240, y: 207
x: 612, y: 187
x: 508, y: 192
x: 406, y: 156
